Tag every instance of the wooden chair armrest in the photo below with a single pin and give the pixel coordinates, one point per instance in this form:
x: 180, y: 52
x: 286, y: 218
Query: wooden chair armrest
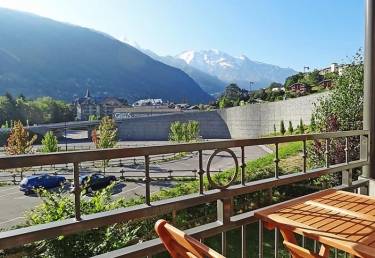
x: 300, y: 252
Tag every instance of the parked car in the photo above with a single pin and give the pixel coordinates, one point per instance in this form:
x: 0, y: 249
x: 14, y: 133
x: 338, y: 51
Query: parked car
x: 46, y: 181
x: 93, y: 182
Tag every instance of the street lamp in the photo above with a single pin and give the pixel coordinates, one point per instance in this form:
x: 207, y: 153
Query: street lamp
x: 250, y: 84
x: 66, y: 140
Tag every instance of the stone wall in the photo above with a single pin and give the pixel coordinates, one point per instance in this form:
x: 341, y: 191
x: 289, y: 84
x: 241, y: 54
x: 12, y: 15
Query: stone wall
x: 248, y: 121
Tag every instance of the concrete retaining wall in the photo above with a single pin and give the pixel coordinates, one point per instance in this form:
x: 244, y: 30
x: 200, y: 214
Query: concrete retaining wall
x: 248, y: 121
x: 157, y: 127
x: 258, y: 119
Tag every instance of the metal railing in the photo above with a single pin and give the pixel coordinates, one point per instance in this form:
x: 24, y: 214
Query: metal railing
x: 223, y: 195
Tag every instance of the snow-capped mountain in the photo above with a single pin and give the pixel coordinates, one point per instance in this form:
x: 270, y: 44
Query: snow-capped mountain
x: 209, y: 83
x: 240, y: 70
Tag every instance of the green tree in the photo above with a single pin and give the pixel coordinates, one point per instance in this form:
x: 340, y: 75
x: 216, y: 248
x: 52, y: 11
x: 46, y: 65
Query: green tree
x: 341, y: 110
x: 224, y: 102
x: 49, y: 143
x: 282, y: 127
x: 19, y: 142
x: 106, y: 136
x: 290, y: 128
x: 293, y: 79
x: 184, y: 132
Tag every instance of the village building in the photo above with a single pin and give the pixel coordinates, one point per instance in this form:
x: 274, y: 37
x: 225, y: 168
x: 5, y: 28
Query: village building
x: 96, y: 106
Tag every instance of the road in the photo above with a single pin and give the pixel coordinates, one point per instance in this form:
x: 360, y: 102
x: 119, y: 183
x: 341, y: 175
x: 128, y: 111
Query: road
x: 17, y: 203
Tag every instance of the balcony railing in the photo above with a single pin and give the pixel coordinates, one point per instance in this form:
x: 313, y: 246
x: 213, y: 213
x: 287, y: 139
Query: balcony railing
x: 222, y: 195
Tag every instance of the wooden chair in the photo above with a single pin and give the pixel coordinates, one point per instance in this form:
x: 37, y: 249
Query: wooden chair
x: 181, y: 245
x: 300, y: 252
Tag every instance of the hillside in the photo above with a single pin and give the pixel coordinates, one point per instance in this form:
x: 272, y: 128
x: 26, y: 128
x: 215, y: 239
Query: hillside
x: 40, y: 57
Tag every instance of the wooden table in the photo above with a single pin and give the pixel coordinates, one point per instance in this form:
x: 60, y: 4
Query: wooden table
x: 338, y: 219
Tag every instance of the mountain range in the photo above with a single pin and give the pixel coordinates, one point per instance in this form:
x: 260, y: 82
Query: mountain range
x: 40, y: 56
x: 240, y: 70
x: 214, y: 69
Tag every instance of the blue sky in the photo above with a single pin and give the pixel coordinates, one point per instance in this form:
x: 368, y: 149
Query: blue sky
x: 289, y: 33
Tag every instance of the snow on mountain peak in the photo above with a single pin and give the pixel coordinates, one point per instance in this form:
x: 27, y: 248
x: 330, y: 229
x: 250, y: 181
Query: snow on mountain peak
x: 234, y: 69
x: 187, y: 56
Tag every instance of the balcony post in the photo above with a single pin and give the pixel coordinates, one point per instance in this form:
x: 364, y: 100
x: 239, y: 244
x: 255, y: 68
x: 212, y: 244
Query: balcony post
x: 224, y: 212
x: 77, y: 191
x: 368, y: 143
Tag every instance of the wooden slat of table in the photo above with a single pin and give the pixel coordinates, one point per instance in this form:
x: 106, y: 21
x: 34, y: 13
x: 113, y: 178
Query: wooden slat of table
x: 340, y: 219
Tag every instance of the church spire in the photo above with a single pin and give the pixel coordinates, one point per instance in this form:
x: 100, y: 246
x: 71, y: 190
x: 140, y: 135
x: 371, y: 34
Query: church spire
x: 87, y: 95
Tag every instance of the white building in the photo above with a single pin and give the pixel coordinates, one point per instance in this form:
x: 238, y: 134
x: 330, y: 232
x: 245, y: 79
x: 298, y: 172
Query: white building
x: 148, y: 102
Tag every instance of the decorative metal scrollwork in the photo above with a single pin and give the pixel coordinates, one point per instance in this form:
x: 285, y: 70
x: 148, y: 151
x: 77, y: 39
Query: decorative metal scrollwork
x: 233, y: 178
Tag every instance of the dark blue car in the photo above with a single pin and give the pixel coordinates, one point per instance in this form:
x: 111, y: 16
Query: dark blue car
x: 30, y: 183
x: 93, y: 182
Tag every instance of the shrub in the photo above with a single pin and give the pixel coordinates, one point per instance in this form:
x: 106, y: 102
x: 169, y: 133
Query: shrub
x: 184, y: 132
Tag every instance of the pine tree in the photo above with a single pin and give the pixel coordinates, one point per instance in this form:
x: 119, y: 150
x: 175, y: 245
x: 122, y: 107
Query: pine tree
x: 49, y: 143
x: 282, y: 127
x: 290, y: 128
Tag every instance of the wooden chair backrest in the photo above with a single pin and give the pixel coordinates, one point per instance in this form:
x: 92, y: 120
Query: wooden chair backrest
x: 300, y: 252
x: 181, y: 245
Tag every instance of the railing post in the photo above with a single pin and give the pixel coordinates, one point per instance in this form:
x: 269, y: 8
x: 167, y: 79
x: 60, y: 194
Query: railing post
x: 224, y: 212
x: 347, y: 175
x: 304, y: 156
x: 276, y: 160
x: 147, y: 180
x: 243, y: 166
x: 260, y: 239
x: 276, y: 247
x: 77, y: 191
x: 200, y: 171
x: 327, y: 156
x: 243, y: 242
